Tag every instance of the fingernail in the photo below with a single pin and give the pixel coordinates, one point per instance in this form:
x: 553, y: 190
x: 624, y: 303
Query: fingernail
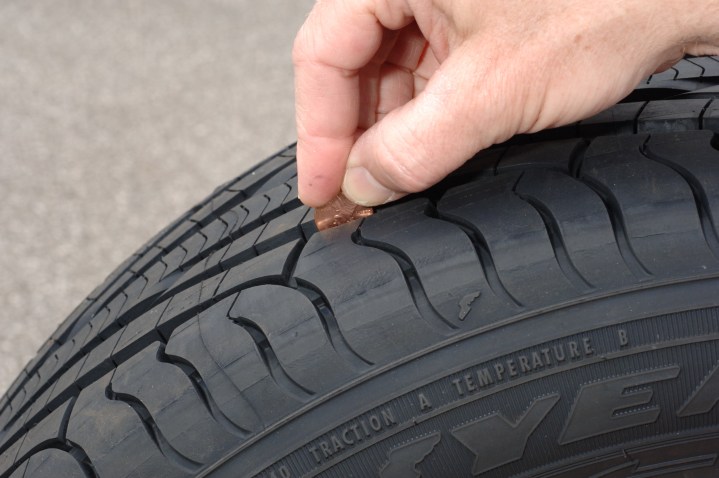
x: 363, y: 189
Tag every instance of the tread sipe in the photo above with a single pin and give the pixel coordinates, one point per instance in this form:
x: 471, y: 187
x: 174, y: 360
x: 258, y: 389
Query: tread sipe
x: 549, y: 310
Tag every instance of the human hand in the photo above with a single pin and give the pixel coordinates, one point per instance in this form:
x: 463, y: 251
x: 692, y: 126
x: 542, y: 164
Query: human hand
x: 393, y: 95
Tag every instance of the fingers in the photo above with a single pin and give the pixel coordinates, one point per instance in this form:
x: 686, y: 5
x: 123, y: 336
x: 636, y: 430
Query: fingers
x: 338, y: 39
x: 418, y: 144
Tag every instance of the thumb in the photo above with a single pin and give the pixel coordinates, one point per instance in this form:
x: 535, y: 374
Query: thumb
x: 421, y: 142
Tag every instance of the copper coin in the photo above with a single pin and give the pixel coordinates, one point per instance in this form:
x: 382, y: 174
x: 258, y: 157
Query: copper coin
x: 339, y: 211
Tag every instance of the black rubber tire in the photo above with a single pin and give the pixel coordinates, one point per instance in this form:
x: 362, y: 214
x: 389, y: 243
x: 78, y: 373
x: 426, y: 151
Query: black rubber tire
x: 550, y: 310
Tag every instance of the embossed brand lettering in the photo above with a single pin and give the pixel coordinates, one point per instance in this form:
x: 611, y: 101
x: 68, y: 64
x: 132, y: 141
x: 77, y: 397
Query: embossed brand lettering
x: 424, y: 403
x: 495, y: 441
x: 623, y: 338
x: 522, y: 364
x: 596, y: 408
x: 404, y: 459
x: 362, y: 429
x: 282, y: 472
x: 705, y: 397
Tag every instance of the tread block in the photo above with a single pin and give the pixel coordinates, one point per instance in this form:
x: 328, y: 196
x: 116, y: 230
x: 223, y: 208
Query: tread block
x: 154, y: 275
x: 50, y: 429
x: 374, y: 308
x: 213, y: 232
x: 235, y: 217
x: 65, y: 386
x: 209, y: 288
x: 97, y: 305
x: 280, y: 177
x: 7, y: 457
x: 276, y: 197
x: 711, y: 117
x: 19, y: 471
x: 693, y: 155
x: 292, y: 201
x: 182, y: 305
x: 97, y: 324
x: 517, y: 240
x: 53, y: 463
x: 215, y: 204
x: 190, y: 248
x: 99, y: 360
x: 115, y: 438
x: 485, y: 162
x: 5, y: 416
x: 31, y: 386
x: 231, y: 366
x: 443, y: 256
x: 133, y: 292
x: 269, y: 265
x: 642, y: 190
x: 241, y: 249
x: 252, y: 179
x: 667, y: 75
x: 16, y: 429
x: 61, y: 333
x: 583, y: 225
x: 174, y: 258
x: 618, y: 119
x: 146, y: 260
x: 69, y: 351
x: 296, y: 333
x: 114, y: 307
x: 184, y: 229
x: 175, y: 405
x: 281, y: 230
x: 254, y: 207
x: 709, y: 64
x: 38, y: 407
x: 18, y: 401
x: 16, y: 386
x: 201, y: 270
x: 671, y: 115
x: 688, y: 69
x: 552, y: 155
x: 139, y: 332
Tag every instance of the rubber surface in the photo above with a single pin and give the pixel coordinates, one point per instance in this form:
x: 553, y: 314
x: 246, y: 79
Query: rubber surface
x: 549, y: 310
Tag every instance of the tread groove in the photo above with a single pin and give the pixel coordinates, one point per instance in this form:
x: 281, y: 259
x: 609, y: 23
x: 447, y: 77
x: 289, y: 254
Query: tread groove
x: 482, y: 250
x: 153, y: 431
x: 701, y: 201
x: 701, y: 75
x: 419, y: 296
x: 272, y: 363
x: 618, y: 227
x: 76, y: 451
x: 635, y: 126
x: 703, y: 112
x: 576, y: 158
x: 329, y: 322
x: 555, y: 238
x: 202, y: 391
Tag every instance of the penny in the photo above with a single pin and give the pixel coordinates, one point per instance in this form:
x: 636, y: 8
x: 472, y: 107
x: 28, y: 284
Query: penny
x: 339, y: 211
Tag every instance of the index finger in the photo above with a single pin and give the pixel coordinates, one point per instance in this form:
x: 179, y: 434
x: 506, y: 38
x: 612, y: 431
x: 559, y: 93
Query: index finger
x: 338, y: 38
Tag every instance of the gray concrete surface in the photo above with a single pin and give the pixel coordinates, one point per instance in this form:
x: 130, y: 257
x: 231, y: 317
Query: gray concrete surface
x: 115, y: 117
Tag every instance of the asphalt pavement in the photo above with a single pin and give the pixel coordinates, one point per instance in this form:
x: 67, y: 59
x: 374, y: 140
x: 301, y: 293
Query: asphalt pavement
x: 115, y: 117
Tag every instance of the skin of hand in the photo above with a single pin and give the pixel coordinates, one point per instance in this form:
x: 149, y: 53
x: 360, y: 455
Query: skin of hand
x: 393, y: 95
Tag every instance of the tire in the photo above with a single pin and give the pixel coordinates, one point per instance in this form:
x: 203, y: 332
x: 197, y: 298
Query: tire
x: 549, y: 310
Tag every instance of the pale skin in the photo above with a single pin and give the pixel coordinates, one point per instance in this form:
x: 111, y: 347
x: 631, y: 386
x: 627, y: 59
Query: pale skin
x: 393, y: 95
